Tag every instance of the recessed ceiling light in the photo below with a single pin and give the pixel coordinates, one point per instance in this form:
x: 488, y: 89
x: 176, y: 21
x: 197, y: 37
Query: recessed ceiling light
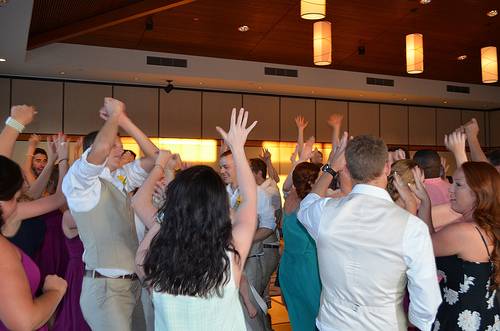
x: 243, y: 28
x: 201, y: 83
x: 404, y: 99
x: 492, y: 13
x: 3, y: 2
x: 3, y: 60
x: 136, y: 78
x: 61, y: 72
x: 196, y: 19
x: 425, y: 2
x: 445, y: 101
x: 260, y: 87
x: 462, y: 57
x: 312, y: 92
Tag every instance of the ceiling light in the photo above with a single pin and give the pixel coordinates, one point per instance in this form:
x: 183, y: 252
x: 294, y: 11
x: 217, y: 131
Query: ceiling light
x: 489, y: 64
x: 136, y: 78
x: 3, y: 60
x: 61, y: 72
x: 3, y: 2
x: 462, y: 57
x: 312, y: 9
x: 492, y: 13
x: 243, y: 28
x: 425, y: 2
x: 404, y: 99
x: 445, y: 101
x: 414, y: 53
x: 322, y: 43
x: 196, y: 19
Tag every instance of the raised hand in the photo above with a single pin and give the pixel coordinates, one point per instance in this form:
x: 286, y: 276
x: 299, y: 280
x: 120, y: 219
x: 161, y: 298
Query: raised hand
x: 266, y: 155
x: 455, y: 142
x: 238, y: 132
x: 335, y: 120
x: 34, y: 139
x: 405, y: 193
x: 112, y: 107
x: 337, y: 155
x: 301, y: 122
x: 418, y: 188
x: 444, y: 165
x: 471, y: 128
x: 23, y: 114
x: 51, y: 149
x: 163, y: 158
x: 62, y: 147
x: 307, y: 151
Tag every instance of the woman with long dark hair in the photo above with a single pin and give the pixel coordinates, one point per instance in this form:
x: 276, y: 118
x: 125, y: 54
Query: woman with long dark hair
x: 20, y: 277
x: 471, y: 269
x: 195, y: 260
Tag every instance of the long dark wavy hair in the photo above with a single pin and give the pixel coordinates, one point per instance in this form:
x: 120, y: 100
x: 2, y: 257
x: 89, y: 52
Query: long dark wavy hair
x: 11, y: 180
x: 484, y: 180
x: 188, y: 256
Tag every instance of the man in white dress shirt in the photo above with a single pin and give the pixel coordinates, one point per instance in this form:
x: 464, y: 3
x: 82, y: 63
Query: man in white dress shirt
x: 266, y: 225
x: 369, y: 249
x: 96, y: 190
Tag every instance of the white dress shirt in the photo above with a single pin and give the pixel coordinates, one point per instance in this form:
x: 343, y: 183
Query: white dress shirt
x: 265, y: 212
x: 82, y: 189
x: 367, y: 248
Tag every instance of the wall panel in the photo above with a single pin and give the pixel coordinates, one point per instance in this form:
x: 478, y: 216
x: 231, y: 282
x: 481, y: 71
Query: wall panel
x: 447, y: 120
x: 495, y: 128
x: 394, y: 124
x: 180, y: 114
x: 291, y: 108
x: 47, y: 97
x: 422, y: 122
x: 217, y: 112
x: 4, y: 99
x: 324, y: 108
x: 142, y: 106
x: 265, y: 110
x: 364, y: 119
x: 81, y: 107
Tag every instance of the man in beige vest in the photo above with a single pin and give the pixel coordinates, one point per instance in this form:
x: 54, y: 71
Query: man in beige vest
x: 369, y: 249
x: 96, y: 190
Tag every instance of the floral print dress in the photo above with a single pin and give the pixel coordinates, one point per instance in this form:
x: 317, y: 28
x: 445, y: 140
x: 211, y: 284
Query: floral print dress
x: 468, y: 303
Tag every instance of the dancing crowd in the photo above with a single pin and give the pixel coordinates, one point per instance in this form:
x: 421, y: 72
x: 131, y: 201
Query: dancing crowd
x: 373, y: 239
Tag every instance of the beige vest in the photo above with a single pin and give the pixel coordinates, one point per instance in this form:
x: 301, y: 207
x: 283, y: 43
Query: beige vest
x: 108, y: 231
x: 361, y: 264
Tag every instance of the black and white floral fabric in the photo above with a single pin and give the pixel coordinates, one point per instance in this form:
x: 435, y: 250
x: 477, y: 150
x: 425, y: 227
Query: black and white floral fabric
x: 468, y: 302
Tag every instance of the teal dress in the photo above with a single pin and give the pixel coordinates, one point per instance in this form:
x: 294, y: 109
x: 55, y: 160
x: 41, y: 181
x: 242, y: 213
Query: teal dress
x: 299, y: 275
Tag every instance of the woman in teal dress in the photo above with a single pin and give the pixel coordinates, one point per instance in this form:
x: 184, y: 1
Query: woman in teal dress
x: 298, y: 271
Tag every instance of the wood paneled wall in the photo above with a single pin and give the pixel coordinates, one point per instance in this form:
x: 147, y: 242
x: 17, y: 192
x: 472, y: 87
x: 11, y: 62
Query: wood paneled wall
x: 73, y: 108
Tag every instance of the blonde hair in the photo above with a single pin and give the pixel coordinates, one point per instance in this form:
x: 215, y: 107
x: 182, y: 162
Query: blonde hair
x: 403, y: 168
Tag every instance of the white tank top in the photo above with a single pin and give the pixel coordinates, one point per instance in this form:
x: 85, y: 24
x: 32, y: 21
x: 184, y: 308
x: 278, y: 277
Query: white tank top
x: 218, y: 313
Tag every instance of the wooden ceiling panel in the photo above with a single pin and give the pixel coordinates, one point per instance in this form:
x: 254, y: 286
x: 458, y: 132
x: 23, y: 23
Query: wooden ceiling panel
x: 278, y: 35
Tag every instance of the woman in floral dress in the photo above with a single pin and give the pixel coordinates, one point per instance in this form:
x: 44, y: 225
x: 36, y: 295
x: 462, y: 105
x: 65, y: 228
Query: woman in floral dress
x: 469, y: 252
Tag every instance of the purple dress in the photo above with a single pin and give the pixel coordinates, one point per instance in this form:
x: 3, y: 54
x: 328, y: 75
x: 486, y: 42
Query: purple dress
x: 70, y: 316
x: 33, y: 275
x: 52, y: 257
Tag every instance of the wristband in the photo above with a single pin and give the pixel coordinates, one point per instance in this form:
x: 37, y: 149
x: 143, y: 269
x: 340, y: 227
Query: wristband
x: 65, y: 159
x: 14, y: 124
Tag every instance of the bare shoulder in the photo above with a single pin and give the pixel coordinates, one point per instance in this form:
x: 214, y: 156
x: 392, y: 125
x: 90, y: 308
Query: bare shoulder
x: 8, y: 252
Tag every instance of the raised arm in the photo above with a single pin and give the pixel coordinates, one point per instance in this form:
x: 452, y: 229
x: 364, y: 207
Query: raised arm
x: 20, y: 116
x: 336, y: 161
x: 142, y: 202
x: 28, y: 172
x: 455, y: 142
x: 245, y: 221
x: 301, y: 125
x: 471, y: 131
x: 22, y: 312
x: 105, y: 139
x: 335, y: 121
x: 39, y: 185
x: 303, y: 157
x: 266, y: 156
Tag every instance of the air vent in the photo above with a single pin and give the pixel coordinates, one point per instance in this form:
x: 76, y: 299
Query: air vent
x: 167, y: 62
x: 281, y: 72
x: 458, y: 89
x: 379, y: 81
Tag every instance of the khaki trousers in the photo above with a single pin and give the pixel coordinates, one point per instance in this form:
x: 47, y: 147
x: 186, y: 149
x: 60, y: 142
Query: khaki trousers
x: 108, y: 304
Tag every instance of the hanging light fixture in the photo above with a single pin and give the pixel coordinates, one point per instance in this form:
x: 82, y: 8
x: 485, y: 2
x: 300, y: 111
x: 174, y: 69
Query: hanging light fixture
x: 312, y: 9
x: 322, y: 40
x: 414, y: 53
x: 489, y: 64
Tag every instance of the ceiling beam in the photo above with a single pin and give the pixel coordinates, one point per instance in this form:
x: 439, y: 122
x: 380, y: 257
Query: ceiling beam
x: 111, y: 18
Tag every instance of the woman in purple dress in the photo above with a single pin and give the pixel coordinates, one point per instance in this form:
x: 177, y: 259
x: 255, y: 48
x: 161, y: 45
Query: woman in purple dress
x: 70, y: 316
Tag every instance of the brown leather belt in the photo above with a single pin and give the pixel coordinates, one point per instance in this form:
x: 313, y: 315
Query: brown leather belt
x: 96, y: 274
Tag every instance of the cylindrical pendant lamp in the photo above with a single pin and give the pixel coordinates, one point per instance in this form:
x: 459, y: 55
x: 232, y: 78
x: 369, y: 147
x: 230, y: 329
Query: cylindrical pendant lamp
x: 489, y: 64
x: 312, y: 9
x: 322, y: 43
x: 414, y: 53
